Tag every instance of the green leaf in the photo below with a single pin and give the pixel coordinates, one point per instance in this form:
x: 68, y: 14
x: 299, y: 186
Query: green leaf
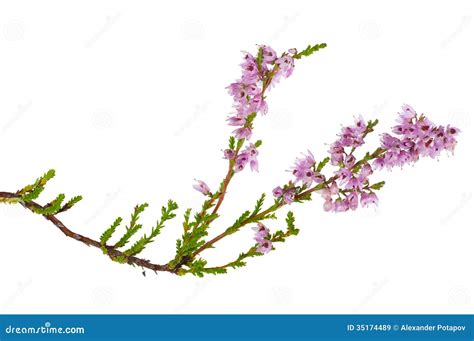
x: 105, y: 237
x: 249, y: 119
x: 259, y: 205
x: 322, y: 164
x: 240, y: 143
x: 290, y: 222
x: 378, y: 185
x: 39, y: 183
x: 70, y: 203
x: 33, y: 194
x: 232, y: 142
x: 260, y: 58
x: 52, y: 208
x: 309, y: 50
x: 258, y: 143
x: 133, y: 227
x: 166, y: 214
x: 238, y: 223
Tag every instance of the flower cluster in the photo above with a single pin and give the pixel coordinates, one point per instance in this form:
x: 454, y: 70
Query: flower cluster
x: 350, y: 187
x: 258, y: 74
x: 417, y: 136
x: 261, y: 236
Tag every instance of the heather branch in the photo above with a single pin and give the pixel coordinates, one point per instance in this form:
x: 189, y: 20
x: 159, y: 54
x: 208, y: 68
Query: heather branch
x: 343, y: 190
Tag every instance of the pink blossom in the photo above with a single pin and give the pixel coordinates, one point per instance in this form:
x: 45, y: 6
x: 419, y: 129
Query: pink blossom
x: 202, y: 187
x: 265, y: 246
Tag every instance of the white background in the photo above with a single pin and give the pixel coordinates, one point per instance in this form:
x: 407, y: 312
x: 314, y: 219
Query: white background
x: 127, y: 101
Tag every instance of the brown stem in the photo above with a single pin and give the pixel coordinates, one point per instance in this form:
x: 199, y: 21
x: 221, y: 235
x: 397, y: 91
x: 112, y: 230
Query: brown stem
x: 111, y: 251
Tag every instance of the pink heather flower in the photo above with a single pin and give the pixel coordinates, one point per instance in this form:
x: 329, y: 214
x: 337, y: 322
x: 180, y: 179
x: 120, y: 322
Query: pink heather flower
x: 360, y: 125
x: 265, y: 246
x: 252, y: 153
x: 344, y: 175
x: 249, y: 69
x: 328, y: 205
x: 249, y: 155
x: 368, y: 198
x: 229, y: 154
x: 355, y: 182
x: 407, y: 113
x: 366, y: 170
x: 303, y: 169
x: 286, y: 65
x: 202, y: 187
x: 349, y: 161
x: 353, y: 200
x: 241, y: 161
x: 261, y: 232
x: 341, y: 205
x: 328, y: 192
x: 258, y: 105
x: 277, y: 192
x: 289, y: 196
x: 243, y: 133
x: 269, y: 54
x: 236, y: 121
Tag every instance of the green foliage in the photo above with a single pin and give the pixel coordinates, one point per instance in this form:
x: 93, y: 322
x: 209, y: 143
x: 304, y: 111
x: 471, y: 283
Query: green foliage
x: 133, y: 227
x: 259, y: 204
x: 281, y: 236
x: 378, y: 185
x: 249, y: 119
x: 51, y: 208
x: 371, y: 124
x: 322, y: 164
x: 70, y: 203
x: 238, y: 223
x: 167, y: 213
x: 260, y: 58
x: 40, y: 182
x: 258, y: 143
x: 231, y: 142
x: 240, y: 143
x: 194, y: 231
x: 309, y: 50
x: 33, y: 194
x: 105, y: 237
x: 237, y: 263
